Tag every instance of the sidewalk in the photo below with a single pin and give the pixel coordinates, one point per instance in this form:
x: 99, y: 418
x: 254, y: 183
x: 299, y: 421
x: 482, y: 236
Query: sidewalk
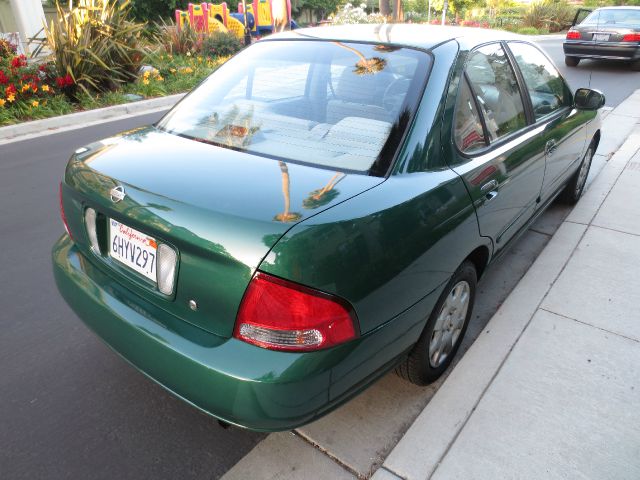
x: 546, y: 390
x: 552, y: 388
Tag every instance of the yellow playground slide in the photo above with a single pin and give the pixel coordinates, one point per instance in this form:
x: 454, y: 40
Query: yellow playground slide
x: 216, y: 25
x: 235, y: 26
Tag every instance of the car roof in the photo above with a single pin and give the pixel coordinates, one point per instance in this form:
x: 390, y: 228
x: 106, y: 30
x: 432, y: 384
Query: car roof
x: 619, y: 7
x: 409, y: 35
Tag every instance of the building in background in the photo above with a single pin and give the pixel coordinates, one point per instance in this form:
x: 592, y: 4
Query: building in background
x: 24, y: 17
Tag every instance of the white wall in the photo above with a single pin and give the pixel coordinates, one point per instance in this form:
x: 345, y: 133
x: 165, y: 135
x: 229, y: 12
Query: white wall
x: 24, y: 16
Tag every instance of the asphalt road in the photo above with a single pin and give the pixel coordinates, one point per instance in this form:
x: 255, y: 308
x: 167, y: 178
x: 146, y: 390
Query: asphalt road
x: 69, y: 407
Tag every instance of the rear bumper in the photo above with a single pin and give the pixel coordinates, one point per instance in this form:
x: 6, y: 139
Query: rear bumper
x: 236, y: 382
x: 605, y: 51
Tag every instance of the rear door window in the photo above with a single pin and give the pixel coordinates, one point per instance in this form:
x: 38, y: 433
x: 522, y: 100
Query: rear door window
x: 468, y: 132
x: 495, y: 87
x: 547, y: 89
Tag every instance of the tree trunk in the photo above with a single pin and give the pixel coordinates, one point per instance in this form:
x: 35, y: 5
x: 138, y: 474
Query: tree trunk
x: 385, y: 7
x: 398, y: 14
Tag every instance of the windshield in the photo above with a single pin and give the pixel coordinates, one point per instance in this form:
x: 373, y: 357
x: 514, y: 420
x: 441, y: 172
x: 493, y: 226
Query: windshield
x: 332, y: 104
x: 613, y: 16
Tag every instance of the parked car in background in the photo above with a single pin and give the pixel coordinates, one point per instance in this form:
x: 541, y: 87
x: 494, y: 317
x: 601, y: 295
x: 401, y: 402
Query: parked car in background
x: 319, y: 212
x: 609, y: 33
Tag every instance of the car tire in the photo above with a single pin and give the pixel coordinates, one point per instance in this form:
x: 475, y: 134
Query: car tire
x: 444, y: 330
x: 635, y: 65
x: 571, y: 61
x: 573, y: 190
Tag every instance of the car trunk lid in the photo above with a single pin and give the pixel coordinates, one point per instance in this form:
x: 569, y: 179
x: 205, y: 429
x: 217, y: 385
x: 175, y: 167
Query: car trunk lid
x: 222, y: 210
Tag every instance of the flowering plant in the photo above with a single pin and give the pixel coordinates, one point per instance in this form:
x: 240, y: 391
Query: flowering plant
x: 7, y: 49
x: 27, y: 86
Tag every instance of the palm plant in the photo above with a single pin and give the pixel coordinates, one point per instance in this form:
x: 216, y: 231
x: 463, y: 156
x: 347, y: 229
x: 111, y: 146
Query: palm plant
x: 95, y: 44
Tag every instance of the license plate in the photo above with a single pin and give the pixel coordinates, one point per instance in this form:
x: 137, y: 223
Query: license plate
x: 134, y: 249
x: 601, y: 37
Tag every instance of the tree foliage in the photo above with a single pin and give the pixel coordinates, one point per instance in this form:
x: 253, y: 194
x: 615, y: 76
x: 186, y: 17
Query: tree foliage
x: 152, y: 10
x: 322, y: 8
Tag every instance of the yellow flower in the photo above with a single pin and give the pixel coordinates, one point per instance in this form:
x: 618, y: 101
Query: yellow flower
x: 35, y: 103
x: 2, y: 102
x: 45, y: 88
x: 199, y: 59
x: 146, y: 74
x: 188, y: 70
x: 145, y: 81
x: 25, y: 88
x: 159, y: 78
x: 11, y: 98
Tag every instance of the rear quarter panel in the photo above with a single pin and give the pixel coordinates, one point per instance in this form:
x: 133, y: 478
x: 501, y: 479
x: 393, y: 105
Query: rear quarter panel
x: 385, y: 249
x: 393, y: 245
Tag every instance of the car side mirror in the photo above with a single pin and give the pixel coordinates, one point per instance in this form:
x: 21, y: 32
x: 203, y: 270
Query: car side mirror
x: 588, y: 99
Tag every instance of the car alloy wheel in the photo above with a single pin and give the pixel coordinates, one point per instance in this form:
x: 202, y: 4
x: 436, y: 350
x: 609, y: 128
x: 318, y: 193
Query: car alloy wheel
x: 583, y: 173
x: 575, y: 186
x: 444, y: 330
x: 449, y: 325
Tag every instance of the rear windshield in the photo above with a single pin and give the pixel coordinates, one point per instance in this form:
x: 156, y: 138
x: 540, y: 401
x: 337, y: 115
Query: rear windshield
x: 613, y: 16
x: 332, y: 104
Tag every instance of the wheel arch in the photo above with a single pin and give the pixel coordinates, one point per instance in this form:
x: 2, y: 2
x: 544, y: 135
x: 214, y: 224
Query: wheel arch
x: 480, y: 258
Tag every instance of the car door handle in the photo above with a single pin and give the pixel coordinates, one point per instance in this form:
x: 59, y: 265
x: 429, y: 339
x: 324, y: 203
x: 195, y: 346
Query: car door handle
x: 551, y: 147
x: 490, y: 185
x: 490, y: 196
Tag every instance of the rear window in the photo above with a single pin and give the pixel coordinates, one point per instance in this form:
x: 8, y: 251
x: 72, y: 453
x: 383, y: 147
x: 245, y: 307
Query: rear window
x: 332, y: 104
x: 613, y: 16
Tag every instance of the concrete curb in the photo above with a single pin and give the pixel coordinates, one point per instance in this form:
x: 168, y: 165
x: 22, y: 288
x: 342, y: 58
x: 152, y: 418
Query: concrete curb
x: 49, y: 126
x: 434, y: 432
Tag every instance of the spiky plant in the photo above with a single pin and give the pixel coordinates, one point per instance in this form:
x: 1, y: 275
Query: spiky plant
x: 96, y: 44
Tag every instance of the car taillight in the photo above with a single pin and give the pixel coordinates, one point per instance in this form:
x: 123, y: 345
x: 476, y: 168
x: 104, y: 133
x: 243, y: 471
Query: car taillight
x: 573, y: 35
x: 64, y: 217
x: 90, y: 217
x: 280, y: 315
x: 166, y: 268
x: 631, y: 37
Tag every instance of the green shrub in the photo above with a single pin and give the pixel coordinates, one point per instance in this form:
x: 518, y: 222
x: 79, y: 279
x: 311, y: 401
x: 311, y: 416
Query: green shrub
x: 145, y: 10
x: 551, y: 15
x: 186, y: 40
x: 527, y: 31
x: 96, y: 45
x: 221, y: 44
x: 177, y: 41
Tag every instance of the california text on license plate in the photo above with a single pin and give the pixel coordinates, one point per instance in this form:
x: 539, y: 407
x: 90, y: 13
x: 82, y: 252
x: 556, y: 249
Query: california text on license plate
x: 133, y: 248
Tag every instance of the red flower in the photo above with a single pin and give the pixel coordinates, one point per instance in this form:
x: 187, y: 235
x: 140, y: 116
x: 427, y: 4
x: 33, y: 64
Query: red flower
x: 3, y: 78
x: 19, y: 61
x: 10, y: 90
x: 68, y: 80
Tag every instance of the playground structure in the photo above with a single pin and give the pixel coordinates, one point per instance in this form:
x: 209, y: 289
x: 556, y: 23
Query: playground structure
x: 211, y: 17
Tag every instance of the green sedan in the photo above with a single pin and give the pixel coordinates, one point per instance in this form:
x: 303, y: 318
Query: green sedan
x: 318, y: 212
